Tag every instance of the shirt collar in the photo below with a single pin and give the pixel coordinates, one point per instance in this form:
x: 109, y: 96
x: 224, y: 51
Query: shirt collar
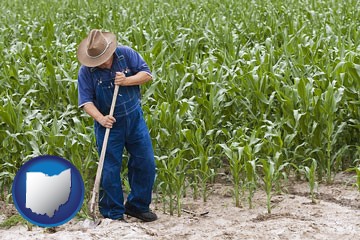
x: 93, y: 69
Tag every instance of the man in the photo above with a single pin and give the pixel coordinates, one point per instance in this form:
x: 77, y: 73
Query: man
x: 105, y: 64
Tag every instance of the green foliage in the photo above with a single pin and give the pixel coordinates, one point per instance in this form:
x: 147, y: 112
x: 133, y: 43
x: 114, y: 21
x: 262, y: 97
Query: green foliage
x: 269, y: 177
x: 15, y: 220
x: 236, y: 165
x: 310, y: 173
x: 171, y: 174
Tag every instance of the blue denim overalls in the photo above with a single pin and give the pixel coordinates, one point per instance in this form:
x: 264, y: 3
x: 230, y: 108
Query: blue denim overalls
x: 129, y: 131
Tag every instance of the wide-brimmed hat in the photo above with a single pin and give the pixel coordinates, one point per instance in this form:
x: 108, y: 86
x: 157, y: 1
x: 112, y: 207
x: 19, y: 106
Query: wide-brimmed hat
x: 97, y: 48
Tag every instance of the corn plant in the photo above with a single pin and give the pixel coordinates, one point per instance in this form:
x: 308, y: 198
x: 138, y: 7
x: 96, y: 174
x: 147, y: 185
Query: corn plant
x: 358, y: 177
x: 251, y: 149
x: 234, y: 152
x: 171, y: 176
x: 250, y: 169
x: 200, y: 163
x: 331, y: 100
x: 268, y: 167
x: 310, y: 173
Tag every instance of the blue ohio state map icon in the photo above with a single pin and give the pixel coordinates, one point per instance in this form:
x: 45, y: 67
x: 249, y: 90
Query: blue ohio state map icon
x: 48, y: 191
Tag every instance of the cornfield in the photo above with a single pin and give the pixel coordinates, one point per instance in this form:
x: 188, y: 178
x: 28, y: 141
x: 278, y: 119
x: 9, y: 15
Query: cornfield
x: 253, y: 91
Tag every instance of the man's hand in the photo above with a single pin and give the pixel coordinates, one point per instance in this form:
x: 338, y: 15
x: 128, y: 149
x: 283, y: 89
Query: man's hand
x: 120, y: 79
x: 107, y: 121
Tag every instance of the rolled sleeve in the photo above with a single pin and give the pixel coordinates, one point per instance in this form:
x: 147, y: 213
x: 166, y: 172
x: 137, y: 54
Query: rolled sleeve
x: 136, y: 62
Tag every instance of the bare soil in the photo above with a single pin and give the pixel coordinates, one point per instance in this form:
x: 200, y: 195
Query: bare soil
x: 335, y: 215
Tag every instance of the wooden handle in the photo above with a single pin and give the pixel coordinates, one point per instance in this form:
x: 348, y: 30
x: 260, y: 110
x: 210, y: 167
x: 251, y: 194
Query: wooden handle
x: 102, y: 155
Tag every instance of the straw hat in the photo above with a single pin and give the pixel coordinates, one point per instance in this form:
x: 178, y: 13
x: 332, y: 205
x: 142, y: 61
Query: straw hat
x: 97, y: 48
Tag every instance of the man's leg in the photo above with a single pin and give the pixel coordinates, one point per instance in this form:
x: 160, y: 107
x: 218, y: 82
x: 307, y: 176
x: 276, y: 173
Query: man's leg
x: 141, y: 166
x: 111, y: 200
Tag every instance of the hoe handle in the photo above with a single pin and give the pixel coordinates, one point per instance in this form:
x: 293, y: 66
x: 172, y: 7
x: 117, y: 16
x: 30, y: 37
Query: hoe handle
x: 95, y: 192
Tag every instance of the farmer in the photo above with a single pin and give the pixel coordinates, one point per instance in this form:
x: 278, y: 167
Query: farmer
x: 105, y: 64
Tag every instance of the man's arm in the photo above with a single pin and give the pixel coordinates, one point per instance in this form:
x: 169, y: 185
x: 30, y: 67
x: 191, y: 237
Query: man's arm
x: 137, y: 79
x: 105, y: 121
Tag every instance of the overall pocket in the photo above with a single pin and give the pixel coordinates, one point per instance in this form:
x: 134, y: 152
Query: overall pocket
x: 127, y: 99
x: 104, y: 95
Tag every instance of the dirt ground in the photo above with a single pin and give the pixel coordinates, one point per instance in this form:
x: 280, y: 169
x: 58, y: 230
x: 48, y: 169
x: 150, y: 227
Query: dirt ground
x: 336, y: 215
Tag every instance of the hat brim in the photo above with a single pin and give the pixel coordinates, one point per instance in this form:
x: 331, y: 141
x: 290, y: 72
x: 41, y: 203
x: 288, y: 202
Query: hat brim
x: 85, y: 60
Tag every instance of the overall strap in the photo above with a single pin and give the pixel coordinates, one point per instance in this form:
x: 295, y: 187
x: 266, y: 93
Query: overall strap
x: 126, y: 71
x: 122, y: 61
